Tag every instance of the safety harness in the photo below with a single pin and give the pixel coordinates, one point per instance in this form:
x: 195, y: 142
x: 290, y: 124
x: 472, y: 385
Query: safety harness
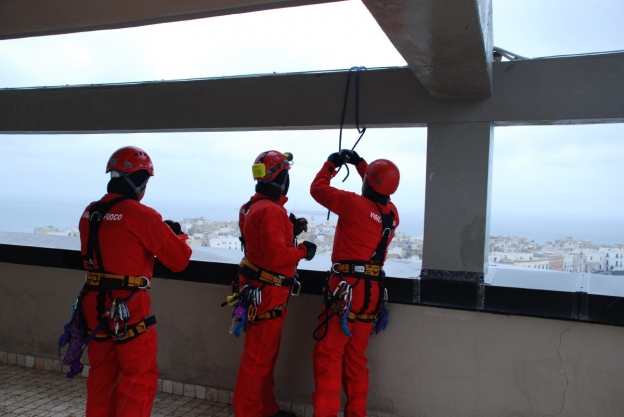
x: 253, y: 272
x: 100, y: 280
x: 76, y: 332
x: 245, y: 302
x: 338, y: 302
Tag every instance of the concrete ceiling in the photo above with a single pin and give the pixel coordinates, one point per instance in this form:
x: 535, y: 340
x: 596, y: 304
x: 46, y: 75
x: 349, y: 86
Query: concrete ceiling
x: 447, y: 44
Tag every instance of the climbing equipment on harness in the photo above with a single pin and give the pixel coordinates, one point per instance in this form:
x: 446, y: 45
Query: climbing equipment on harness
x: 245, y: 307
x: 367, y: 271
x: 383, y: 318
x: 245, y: 302
x: 74, y: 335
x: 344, y: 294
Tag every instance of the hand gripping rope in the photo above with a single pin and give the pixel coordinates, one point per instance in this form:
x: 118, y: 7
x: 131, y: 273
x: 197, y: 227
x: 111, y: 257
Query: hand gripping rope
x: 357, y: 115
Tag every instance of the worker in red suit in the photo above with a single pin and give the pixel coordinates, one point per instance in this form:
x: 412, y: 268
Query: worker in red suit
x: 267, y: 277
x: 355, y: 295
x: 119, y: 239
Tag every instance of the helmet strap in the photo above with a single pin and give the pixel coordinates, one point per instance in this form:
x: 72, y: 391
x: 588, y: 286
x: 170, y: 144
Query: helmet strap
x: 136, y: 189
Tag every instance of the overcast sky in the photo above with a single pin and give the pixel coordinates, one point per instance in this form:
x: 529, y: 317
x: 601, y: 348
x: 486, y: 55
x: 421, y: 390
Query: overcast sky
x: 561, y: 169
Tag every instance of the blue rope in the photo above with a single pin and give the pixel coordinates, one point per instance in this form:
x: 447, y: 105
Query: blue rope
x: 343, y: 324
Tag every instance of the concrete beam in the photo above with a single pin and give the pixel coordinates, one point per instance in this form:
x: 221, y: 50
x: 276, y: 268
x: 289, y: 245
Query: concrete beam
x: 457, y: 201
x: 447, y: 44
x: 20, y: 18
x: 570, y: 90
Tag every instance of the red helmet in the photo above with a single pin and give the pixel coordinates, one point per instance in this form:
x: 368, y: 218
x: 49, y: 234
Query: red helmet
x: 269, y: 164
x: 130, y: 159
x: 383, y: 176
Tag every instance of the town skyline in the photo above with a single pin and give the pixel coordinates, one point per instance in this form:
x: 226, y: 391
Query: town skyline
x: 564, y: 254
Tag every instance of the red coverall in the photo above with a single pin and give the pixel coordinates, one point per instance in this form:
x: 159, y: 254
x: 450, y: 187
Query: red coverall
x: 123, y: 377
x: 269, y: 245
x: 338, y: 358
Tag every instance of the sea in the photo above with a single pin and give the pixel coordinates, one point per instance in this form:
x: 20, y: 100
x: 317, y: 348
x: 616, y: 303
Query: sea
x: 24, y: 216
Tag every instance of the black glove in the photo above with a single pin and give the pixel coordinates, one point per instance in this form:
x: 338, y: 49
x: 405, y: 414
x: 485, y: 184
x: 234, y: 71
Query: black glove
x: 350, y: 157
x: 175, y: 226
x: 299, y: 224
x: 336, y: 159
x: 311, y: 248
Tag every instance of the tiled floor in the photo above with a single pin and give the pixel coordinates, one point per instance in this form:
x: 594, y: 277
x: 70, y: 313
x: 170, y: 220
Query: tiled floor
x: 35, y: 392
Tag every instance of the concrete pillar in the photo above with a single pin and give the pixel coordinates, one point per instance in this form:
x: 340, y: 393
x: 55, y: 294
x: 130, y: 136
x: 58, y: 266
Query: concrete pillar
x: 457, y: 201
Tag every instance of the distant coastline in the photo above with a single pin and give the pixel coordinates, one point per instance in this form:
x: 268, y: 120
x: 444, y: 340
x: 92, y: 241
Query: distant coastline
x: 26, y: 216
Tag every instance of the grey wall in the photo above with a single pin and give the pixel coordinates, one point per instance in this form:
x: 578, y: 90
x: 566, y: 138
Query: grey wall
x: 430, y: 361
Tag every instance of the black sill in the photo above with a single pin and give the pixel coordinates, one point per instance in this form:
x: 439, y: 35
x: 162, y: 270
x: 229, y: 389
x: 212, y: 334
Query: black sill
x: 574, y: 306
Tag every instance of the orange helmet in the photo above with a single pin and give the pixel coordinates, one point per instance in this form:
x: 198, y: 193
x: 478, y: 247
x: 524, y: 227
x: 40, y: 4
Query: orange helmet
x: 383, y: 176
x: 130, y: 159
x: 269, y: 164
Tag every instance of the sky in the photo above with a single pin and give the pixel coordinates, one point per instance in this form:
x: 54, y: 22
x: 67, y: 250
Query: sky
x: 572, y: 170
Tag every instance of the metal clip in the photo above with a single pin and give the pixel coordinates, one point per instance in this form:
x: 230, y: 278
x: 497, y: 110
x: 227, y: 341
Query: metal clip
x: 233, y: 326
x: 342, y: 283
x: 281, y: 279
x: 113, y: 309
x: 296, y: 287
x: 124, y: 313
x: 147, y: 283
x: 333, y: 268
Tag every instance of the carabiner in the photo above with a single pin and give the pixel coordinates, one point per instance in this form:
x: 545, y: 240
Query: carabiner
x: 339, y: 287
x: 296, y: 288
x: 258, y: 296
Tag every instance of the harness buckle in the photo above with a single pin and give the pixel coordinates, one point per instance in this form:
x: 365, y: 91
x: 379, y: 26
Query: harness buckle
x: 281, y: 279
x: 359, y: 268
x: 296, y: 287
x: 333, y: 268
x: 147, y: 283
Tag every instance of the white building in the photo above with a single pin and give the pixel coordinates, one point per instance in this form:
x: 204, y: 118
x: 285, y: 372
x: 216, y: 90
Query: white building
x: 614, y: 259
x: 225, y: 243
